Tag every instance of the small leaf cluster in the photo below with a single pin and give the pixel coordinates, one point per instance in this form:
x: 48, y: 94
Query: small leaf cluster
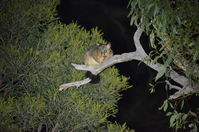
x: 181, y: 120
x: 117, y: 128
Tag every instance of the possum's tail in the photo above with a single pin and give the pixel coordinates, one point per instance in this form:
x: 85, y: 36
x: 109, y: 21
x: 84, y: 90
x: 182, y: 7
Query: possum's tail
x: 94, y: 78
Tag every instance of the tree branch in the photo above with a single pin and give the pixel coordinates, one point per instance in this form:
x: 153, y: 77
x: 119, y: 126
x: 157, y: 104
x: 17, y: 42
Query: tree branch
x: 140, y: 55
x: 77, y: 84
x: 55, y: 128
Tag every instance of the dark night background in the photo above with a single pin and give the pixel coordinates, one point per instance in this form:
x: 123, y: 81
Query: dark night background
x: 137, y: 108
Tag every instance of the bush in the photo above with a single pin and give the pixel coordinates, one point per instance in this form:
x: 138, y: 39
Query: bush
x: 36, y: 55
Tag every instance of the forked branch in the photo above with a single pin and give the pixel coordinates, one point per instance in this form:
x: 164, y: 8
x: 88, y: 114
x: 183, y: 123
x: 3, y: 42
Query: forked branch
x: 139, y: 55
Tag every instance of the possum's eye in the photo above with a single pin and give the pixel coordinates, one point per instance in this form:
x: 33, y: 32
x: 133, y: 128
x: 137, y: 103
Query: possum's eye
x: 104, y: 52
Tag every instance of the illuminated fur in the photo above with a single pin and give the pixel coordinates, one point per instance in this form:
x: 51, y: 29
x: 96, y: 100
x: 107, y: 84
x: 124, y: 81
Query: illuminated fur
x: 97, y: 54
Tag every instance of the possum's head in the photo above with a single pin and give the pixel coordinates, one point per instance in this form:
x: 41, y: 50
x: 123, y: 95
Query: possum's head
x: 106, y: 51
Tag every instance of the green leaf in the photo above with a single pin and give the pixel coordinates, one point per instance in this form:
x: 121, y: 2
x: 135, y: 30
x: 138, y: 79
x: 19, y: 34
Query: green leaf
x: 156, y: 10
x: 156, y: 59
x: 179, y: 20
x: 150, y: 6
x: 171, y: 105
x: 182, y: 104
x: 191, y: 125
x: 196, y: 55
x: 172, y: 120
x: 161, y: 72
x: 152, y: 40
x: 133, y: 19
x: 152, y: 88
x: 166, y: 106
x: 130, y: 1
x: 184, y: 117
x: 169, y: 60
x: 169, y: 114
x: 193, y: 114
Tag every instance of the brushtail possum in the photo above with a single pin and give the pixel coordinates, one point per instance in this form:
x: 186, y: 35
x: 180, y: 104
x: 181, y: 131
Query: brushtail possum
x: 96, y: 55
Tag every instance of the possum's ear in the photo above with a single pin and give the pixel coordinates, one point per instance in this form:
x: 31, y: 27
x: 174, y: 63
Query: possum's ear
x: 109, y: 45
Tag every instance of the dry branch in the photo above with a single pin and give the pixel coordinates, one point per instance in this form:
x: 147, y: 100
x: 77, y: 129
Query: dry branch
x: 140, y: 55
x: 76, y: 84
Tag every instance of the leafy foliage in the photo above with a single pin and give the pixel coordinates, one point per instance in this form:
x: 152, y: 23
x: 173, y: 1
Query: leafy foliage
x: 36, y: 55
x: 181, y: 120
x: 173, y: 29
x: 116, y: 128
x: 175, y: 25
